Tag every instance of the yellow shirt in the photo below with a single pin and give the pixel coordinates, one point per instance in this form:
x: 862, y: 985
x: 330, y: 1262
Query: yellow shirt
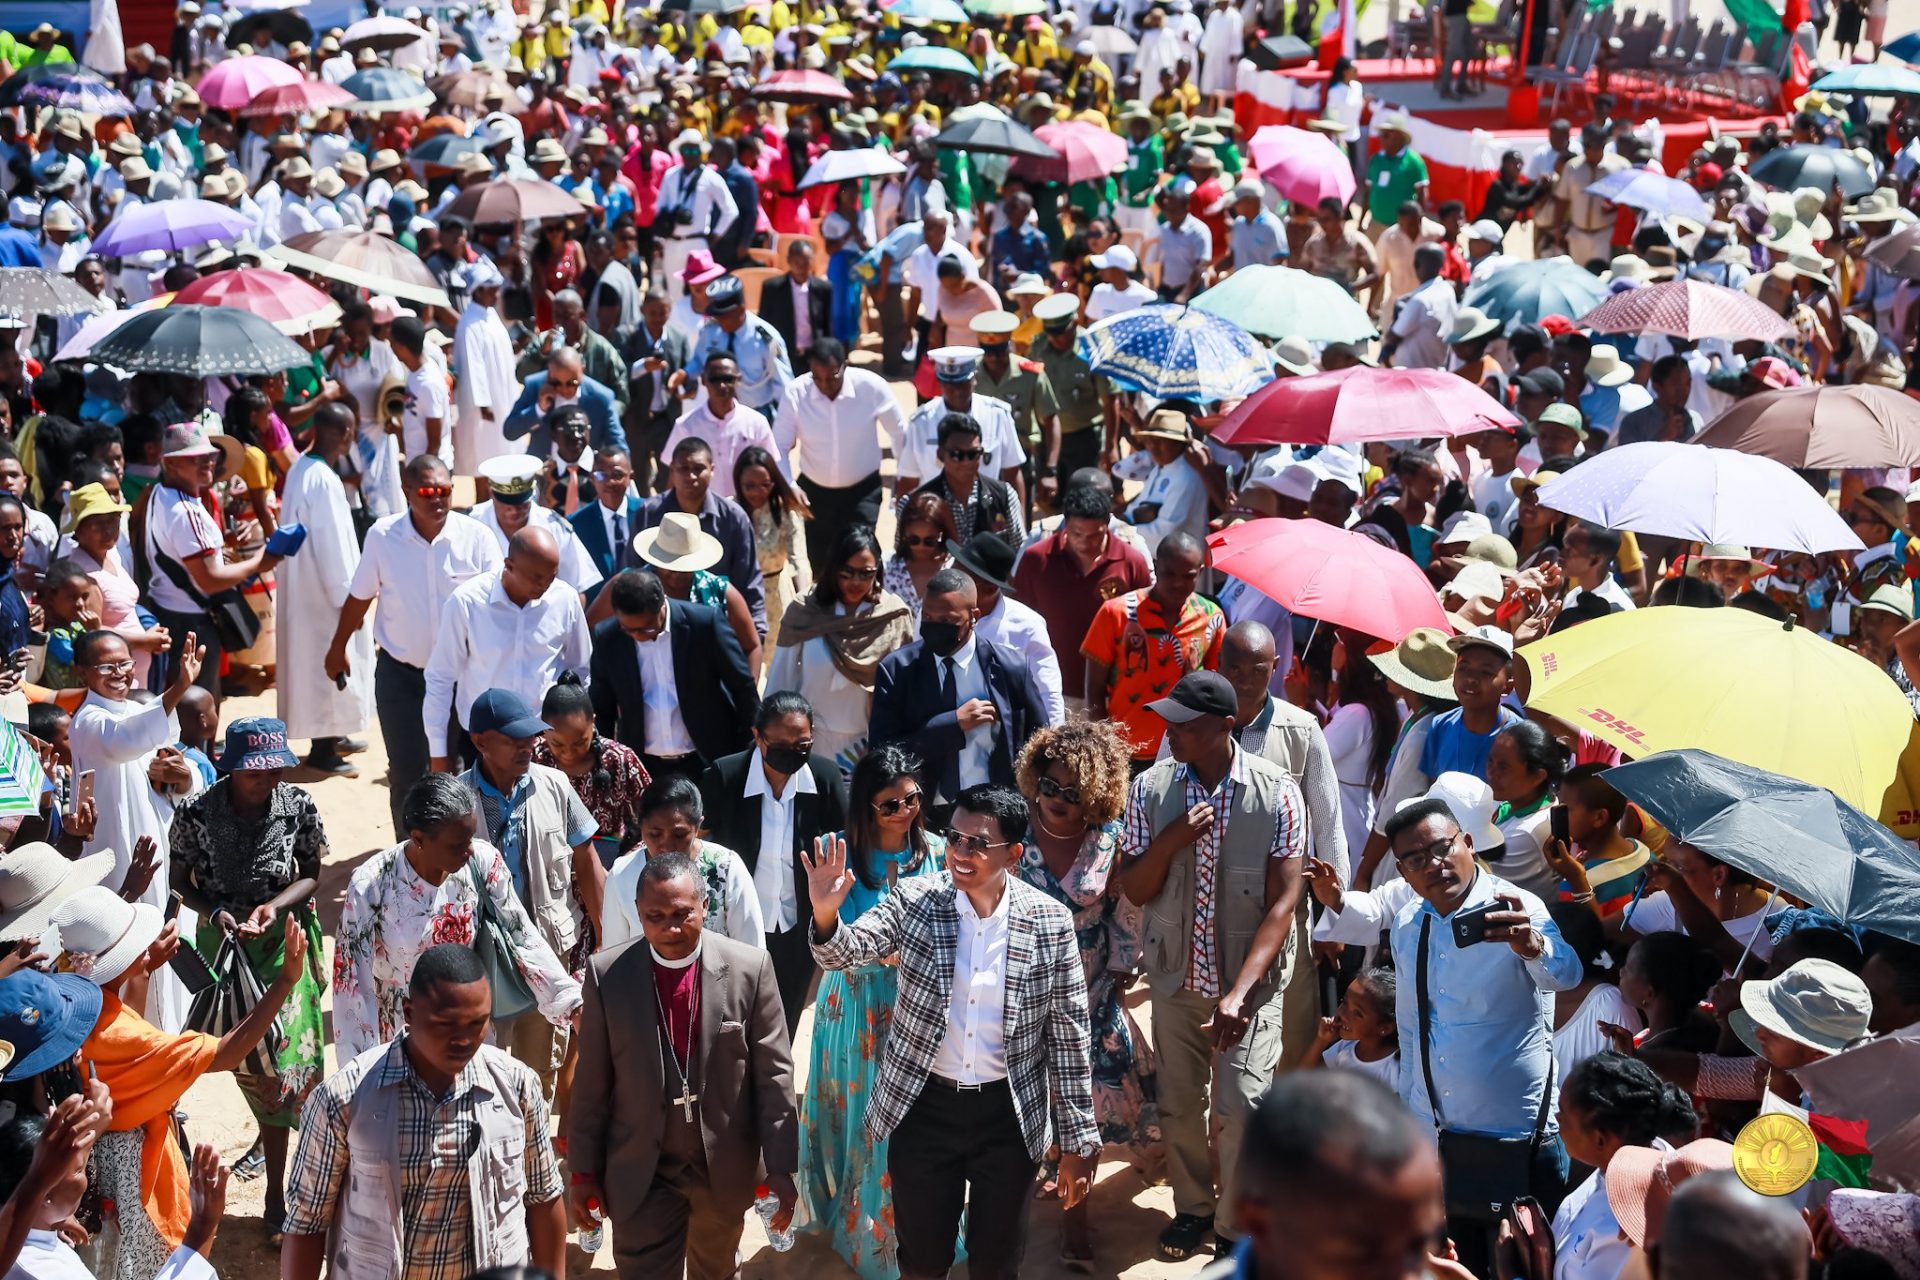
x: 559, y: 42
x: 594, y: 9
x: 696, y: 115
x: 1096, y: 118
x: 1025, y: 332
x: 1035, y: 49
x: 1101, y: 77
x: 1184, y: 98
x: 531, y: 52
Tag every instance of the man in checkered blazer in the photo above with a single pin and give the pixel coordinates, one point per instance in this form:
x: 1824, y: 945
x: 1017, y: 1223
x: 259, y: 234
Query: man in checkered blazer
x: 986, y: 1062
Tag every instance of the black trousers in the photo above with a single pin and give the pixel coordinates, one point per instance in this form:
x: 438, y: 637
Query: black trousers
x: 793, y: 968
x: 1080, y: 449
x: 178, y: 625
x: 834, y: 510
x: 399, y: 691
x: 659, y: 767
x: 955, y: 1149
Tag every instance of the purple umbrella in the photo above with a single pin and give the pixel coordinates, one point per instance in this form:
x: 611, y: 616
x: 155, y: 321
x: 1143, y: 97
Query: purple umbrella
x: 169, y: 225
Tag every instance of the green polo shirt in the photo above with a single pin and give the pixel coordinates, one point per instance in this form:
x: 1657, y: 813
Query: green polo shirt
x: 1391, y: 182
x: 1077, y: 391
x: 1146, y: 162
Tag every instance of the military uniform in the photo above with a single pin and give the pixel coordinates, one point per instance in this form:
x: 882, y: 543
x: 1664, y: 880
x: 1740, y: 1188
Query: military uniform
x: 1022, y: 388
x: 1078, y: 394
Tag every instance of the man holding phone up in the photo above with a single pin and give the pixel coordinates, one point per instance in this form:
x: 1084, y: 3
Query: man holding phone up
x: 1479, y: 960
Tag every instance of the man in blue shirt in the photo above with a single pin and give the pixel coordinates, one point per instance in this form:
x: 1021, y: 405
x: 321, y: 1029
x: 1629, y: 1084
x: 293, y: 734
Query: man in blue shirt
x: 1018, y: 247
x: 1258, y: 237
x: 730, y: 250
x: 756, y: 346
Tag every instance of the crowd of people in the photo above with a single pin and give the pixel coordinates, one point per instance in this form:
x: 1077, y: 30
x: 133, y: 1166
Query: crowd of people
x: 788, y: 638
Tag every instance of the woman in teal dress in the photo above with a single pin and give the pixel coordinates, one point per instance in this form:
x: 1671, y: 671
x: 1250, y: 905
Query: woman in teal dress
x: 1075, y: 779
x: 843, y: 1172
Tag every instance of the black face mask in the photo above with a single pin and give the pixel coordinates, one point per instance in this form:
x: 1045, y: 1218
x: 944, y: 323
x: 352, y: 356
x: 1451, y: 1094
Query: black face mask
x: 941, y: 637
x: 787, y: 760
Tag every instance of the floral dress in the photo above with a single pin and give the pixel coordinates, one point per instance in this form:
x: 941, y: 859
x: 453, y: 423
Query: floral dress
x: 844, y: 1187
x: 240, y: 863
x: 391, y: 917
x: 1108, y: 929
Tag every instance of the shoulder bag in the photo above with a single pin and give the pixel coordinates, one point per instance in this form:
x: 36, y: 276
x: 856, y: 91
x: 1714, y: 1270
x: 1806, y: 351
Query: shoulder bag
x: 232, y: 618
x: 512, y: 994
x: 1484, y: 1174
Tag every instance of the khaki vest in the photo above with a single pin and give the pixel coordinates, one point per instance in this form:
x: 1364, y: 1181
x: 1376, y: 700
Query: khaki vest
x: 549, y: 859
x: 1240, y: 879
x: 368, y: 1230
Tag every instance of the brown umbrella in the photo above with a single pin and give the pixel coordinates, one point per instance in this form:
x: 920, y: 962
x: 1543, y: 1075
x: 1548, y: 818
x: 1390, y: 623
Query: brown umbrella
x: 1899, y: 252
x: 362, y: 258
x: 512, y: 200
x: 1823, y: 427
x: 467, y: 88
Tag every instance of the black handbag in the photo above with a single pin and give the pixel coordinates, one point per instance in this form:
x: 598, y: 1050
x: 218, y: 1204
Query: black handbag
x: 1484, y: 1174
x: 232, y: 618
x: 512, y: 994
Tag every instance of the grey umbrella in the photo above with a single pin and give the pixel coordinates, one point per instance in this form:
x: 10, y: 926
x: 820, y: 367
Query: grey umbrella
x: 27, y: 291
x: 1801, y: 838
x: 199, y: 342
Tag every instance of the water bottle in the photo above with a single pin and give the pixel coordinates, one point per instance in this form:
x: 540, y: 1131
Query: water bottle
x: 767, y: 1205
x: 590, y: 1241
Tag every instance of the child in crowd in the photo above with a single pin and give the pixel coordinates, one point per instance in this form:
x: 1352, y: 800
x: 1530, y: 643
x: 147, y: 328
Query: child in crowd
x: 72, y: 605
x: 1361, y: 1035
x: 1614, y: 863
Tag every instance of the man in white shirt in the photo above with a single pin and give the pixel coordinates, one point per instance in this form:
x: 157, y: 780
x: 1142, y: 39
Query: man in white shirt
x: 516, y: 628
x: 1119, y: 289
x: 427, y: 413
x: 920, y: 272
x: 694, y: 204
x: 916, y: 450
x: 829, y: 417
x: 1418, y: 338
x: 512, y: 479
x: 988, y: 560
x: 411, y: 563
x: 728, y: 427
x: 1174, y: 498
x: 296, y: 207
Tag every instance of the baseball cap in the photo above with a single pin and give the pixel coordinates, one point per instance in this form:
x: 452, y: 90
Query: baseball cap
x: 504, y: 711
x: 1199, y: 693
x: 1483, y: 637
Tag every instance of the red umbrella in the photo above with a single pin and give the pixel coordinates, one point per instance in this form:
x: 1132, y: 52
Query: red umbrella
x: 274, y: 296
x: 802, y: 86
x: 1691, y: 309
x: 297, y: 99
x: 1362, y: 403
x: 1330, y: 574
x: 1086, y: 152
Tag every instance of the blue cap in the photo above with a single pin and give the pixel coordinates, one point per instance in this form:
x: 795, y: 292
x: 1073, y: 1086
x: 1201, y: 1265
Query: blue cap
x: 887, y: 80
x: 257, y: 742
x: 44, y: 1019
x: 504, y: 711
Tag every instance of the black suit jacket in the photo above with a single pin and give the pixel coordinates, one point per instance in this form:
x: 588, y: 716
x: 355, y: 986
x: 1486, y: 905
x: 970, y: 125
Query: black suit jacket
x: 907, y: 707
x: 733, y: 819
x: 717, y: 696
x: 776, y: 308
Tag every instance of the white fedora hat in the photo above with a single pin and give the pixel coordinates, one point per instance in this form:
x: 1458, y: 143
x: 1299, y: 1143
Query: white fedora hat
x: 104, y: 936
x: 36, y: 878
x: 679, y: 544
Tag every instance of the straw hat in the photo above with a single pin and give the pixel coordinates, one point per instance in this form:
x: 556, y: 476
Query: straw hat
x: 1470, y: 323
x: 328, y: 184
x: 1641, y: 1182
x: 1523, y: 485
x: 1422, y: 662
x: 102, y: 935
x: 1605, y: 368
x: 1166, y: 424
x: 678, y: 543
x: 35, y: 878
x: 1879, y: 205
x: 547, y: 151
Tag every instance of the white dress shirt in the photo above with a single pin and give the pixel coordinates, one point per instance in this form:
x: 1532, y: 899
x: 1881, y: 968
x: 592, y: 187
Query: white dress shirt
x: 838, y: 447
x: 1024, y: 631
x: 705, y: 195
x: 1181, y: 496
x: 45, y: 1256
x: 970, y: 682
x: 666, y: 732
x: 619, y: 526
x: 412, y: 578
x: 974, y: 1050
x: 488, y: 642
x: 917, y: 449
x: 577, y: 568
x: 802, y: 291
x: 773, y: 870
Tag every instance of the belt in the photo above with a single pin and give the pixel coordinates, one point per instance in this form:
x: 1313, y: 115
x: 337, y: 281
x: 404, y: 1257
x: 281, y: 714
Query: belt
x: 957, y: 1087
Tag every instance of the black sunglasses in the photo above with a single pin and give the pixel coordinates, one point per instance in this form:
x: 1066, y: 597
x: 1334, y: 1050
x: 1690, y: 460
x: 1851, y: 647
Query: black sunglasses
x: 1048, y: 787
x: 888, y: 808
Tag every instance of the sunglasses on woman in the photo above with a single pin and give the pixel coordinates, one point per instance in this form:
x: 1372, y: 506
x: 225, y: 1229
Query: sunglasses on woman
x: 1053, y: 790
x: 913, y: 540
x: 891, y: 808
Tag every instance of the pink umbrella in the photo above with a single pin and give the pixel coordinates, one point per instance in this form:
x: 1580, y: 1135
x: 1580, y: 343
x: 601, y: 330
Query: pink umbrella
x: 802, y: 87
x: 1329, y: 574
x: 1303, y: 166
x: 297, y: 98
x: 1362, y: 403
x: 273, y: 295
x: 1086, y: 152
x: 236, y: 82
x: 1690, y: 309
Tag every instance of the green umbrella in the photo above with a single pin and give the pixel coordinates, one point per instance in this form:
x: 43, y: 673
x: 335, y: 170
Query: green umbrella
x: 935, y: 58
x: 1280, y: 302
x: 1526, y: 291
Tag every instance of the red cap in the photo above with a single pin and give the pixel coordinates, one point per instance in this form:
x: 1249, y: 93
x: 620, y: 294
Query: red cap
x: 1558, y: 325
x: 1708, y: 176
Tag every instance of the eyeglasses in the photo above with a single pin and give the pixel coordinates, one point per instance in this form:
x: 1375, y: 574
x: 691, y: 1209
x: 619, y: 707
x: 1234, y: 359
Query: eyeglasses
x: 1048, y: 787
x: 914, y: 540
x: 966, y: 455
x: 434, y: 490
x: 960, y: 841
x: 888, y: 808
x: 113, y: 668
x: 849, y: 574
x: 1431, y: 856
x: 722, y: 379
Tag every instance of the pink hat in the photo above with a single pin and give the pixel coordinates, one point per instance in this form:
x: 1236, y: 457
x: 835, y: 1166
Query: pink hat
x: 1772, y: 371
x: 701, y: 268
x: 1642, y: 1180
x: 387, y: 309
x: 1036, y: 23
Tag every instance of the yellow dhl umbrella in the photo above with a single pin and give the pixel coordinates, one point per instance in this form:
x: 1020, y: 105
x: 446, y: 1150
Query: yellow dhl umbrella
x: 1734, y: 683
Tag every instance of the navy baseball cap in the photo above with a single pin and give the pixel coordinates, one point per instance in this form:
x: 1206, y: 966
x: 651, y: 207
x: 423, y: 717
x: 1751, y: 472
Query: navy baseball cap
x: 257, y: 742
x: 44, y: 1019
x: 504, y: 711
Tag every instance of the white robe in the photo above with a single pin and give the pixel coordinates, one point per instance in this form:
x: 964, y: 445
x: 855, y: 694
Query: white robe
x: 118, y: 740
x: 312, y: 591
x: 1220, y: 50
x: 1159, y: 50
x: 483, y: 359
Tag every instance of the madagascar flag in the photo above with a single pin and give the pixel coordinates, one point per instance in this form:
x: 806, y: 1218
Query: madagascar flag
x: 1844, y: 1158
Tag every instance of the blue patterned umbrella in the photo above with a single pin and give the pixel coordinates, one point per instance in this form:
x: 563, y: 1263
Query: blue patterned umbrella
x: 88, y: 95
x: 1526, y: 291
x: 1177, y: 353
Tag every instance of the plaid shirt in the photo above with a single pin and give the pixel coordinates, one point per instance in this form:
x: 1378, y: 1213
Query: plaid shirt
x: 1047, y: 1046
x: 1289, y: 841
x: 437, y: 1138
